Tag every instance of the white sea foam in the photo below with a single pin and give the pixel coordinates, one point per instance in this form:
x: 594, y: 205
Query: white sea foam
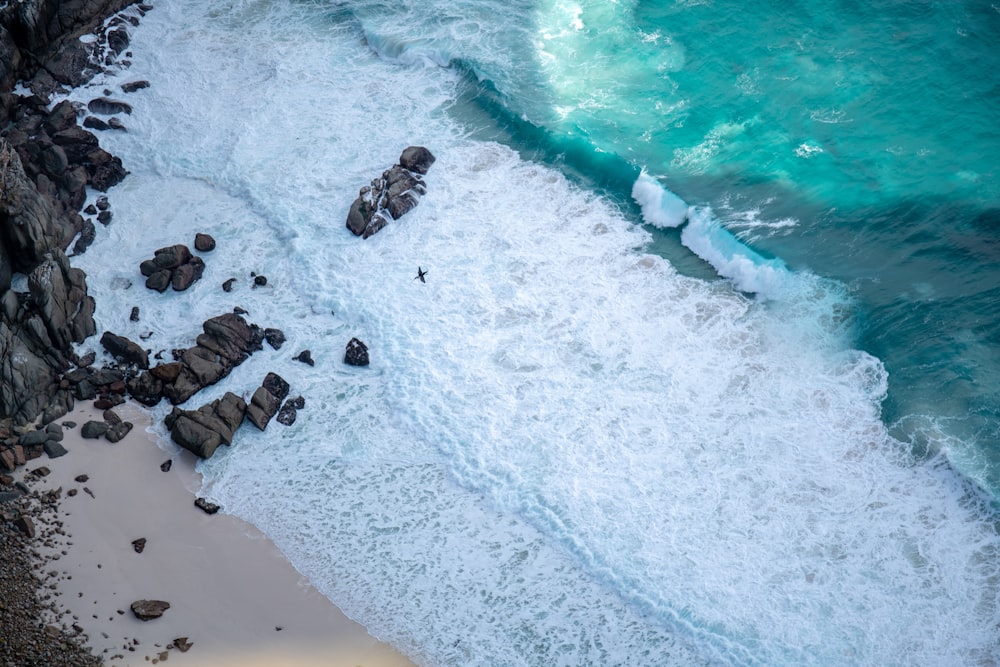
x: 660, y: 206
x: 563, y: 452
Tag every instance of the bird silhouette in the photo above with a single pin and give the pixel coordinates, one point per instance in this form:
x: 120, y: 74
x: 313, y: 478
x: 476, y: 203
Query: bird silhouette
x: 420, y: 274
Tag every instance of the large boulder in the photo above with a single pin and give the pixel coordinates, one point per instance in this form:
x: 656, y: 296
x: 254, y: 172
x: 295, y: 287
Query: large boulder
x: 267, y: 400
x: 201, y: 431
x: 356, y: 353
x: 392, y: 195
x: 416, y: 159
x: 125, y: 350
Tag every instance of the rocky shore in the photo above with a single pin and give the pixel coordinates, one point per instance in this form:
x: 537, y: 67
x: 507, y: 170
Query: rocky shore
x: 25, y: 599
x: 52, y: 171
x: 47, y: 162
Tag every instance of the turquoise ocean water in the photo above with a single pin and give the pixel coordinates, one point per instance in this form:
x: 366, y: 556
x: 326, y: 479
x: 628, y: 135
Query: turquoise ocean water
x: 706, y: 367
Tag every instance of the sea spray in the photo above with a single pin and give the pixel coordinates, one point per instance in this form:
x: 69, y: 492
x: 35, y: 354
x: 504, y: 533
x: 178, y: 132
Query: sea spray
x: 707, y: 238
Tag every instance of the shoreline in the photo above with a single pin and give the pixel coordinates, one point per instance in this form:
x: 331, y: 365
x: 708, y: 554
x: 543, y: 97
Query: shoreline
x: 233, y: 595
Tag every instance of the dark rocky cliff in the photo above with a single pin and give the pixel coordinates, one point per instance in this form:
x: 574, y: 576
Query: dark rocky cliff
x: 46, y: 163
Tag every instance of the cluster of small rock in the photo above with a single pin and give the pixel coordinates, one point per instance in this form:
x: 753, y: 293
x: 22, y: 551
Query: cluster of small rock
x: 175, y: 266
x: 111, y: 427
x: 18, y: 450
x: 105, y: 387
x: 25, y: 517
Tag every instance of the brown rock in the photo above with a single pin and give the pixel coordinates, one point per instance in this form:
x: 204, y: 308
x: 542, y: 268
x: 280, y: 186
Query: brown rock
x: 417, y: 159
x: 206, y: 507
x: 159, y: 281
x: 167, y: 372
x: 146, y: 610
x: 125, y: 350
x: 204, y: 243
x: 25, y: 525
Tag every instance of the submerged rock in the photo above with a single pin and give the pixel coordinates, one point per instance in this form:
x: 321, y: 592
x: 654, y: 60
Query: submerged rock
x: 107, y: 107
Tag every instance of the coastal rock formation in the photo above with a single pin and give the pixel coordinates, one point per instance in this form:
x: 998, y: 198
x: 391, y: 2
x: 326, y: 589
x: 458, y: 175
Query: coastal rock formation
x: 204, y: 242
x: 37, y: 328
x: 289, y: 411
x: 201, y: 431
x: 46, y: 163
x: 37, y: 32
x: 392, y: 195
x: 356, y: 353
x: 226, y: 342
x: 172, y: 266
x: 267, y: 400
x: 124, y: 350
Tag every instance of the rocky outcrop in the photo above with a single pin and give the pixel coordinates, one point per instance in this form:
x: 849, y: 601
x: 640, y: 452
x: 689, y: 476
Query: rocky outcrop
x: 45, y: 168
x: 267, y: 400
x: 289, y: 411
x: 172, y: 266
x: 46, y: 163
x: 201, y: 431
x: 226, y: 342
x: 124, y: 350
x: 37, y: 330
x: 392, y: 195
x: 356, y: 353
x: 43, y: 36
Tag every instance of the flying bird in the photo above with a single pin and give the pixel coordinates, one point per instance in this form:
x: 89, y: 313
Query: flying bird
x: 420, y: 274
